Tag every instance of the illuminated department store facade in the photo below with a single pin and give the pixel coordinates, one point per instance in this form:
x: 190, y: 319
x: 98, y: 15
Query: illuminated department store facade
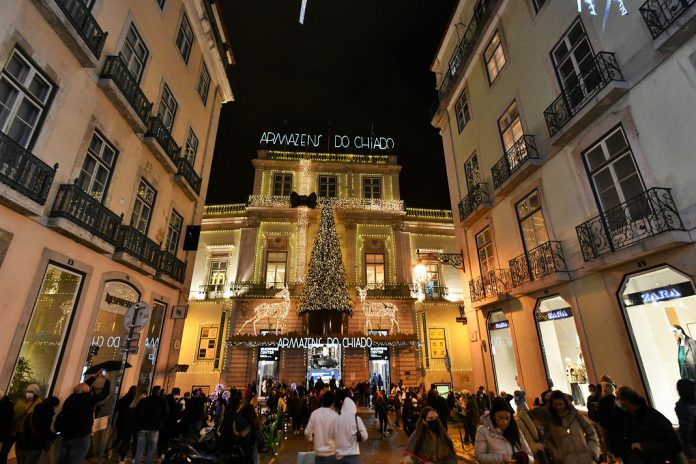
x: 253, y: 258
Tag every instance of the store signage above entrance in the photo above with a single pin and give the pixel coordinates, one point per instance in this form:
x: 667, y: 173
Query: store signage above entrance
x: 306, y: 342
x: 336, y: 141
x: 499, y: 325
x: 562, y: 313
x: 379, y: 353
x: 268, y: 353
x: 656, y: 295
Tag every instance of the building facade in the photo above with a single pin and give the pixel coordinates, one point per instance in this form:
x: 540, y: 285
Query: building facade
x: 570, y: 169
x: 108, y: 116
x: 249, y: 254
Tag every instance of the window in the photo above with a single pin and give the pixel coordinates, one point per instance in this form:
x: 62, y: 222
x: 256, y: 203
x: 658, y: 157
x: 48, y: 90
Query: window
x: 203, y: 85
x: 613, y: 173
x: 484, y: 249
x: 167, y: 108
x: 184, y: 39
x: 217, y: 276
x: 433, y: 289
x: 494, y: 56
x: 173, y: 232
x: 97, y: 167
x: 191, y: 146
x: 282, y: 185
x: 574, y: 62
x: 152, y: 341
x: 472, y: 171
x: 374, y: 270
x: 510, y: 128
x: 461, y: 109
x: 538, y: 4
x: 142, y: 209
x: 207, y: 343
x: 372, y: 188
x: 24, y: 98
x: 502, y: 352
x: 134, y: 53
x: 327, y: 187
x: 276, y: 263
x: 532, y: 223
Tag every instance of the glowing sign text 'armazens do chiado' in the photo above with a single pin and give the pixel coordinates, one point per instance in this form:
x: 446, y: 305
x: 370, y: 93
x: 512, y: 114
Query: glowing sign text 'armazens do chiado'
x: 305, y: 342
x: 301, y: 140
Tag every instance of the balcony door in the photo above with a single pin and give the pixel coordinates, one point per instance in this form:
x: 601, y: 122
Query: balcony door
x: 532, y: 223
x: 472, y: 171
x: 574, y: 62
x: 510, y: 127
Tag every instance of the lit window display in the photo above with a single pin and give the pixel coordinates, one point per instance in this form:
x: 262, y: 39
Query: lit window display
x: 502, y: 352
x: 152, y: 342
x: 560, y: 347
x: 660, y: 308
x: 39, y: 358
x: 324, y: 361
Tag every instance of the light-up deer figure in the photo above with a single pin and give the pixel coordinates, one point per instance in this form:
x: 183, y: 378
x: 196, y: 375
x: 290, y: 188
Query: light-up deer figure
x: 376, y: 310
x: 278, y: 311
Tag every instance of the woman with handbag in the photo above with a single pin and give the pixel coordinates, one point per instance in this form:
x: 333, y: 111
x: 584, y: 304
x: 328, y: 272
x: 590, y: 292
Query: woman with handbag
x: 498, y: 440
x: 347, y: 430
x: 570, y: 438
x: 429, y: 443
x: 37, y: 437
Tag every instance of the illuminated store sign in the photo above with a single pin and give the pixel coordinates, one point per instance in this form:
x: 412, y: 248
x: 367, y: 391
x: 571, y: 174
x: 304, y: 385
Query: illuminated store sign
x: 268, y: 353
x: 656, y: 295
x: 379, y: 353
x: 499, y: 325
x: 562, y: 313
x: 302, y: 140
x: 306, y: 342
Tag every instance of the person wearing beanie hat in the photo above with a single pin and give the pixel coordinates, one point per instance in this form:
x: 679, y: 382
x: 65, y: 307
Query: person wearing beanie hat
x: 23, y: 407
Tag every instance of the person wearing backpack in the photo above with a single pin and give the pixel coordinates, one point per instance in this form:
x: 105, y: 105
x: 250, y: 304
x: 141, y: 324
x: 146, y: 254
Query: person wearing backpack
x: 347, y: 430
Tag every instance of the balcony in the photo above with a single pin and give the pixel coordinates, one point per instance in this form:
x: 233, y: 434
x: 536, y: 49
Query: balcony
x: 136, y: 250
x: 186, y: 177
x: 434, y: 293
x: 474, y: 204
x: 171, y: 267
x: 423, y: 214
x: 647, y: 215
x: 579, y: 104
x: 75, y: 25
x: 79, y: 215
x: 124, y: 91
x: 24, y: 179
x: 159, y: 139
x: 245, y: 289
x: 545, y: 260
x: 400, y: 291
x: 491, y: 284
x: 521, y: 159
x: 671, y: 22
x: 212, y: 291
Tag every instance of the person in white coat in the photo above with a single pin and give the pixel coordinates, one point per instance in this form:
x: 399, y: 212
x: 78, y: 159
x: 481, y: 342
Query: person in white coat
x: 344, y: 431
x: 498, y: 440
x: 317, y: 429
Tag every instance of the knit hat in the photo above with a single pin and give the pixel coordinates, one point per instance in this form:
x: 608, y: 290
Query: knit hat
x: 33, y: 388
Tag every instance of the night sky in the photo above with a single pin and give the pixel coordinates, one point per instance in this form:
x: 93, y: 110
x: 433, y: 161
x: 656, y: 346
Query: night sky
x: 354, y: 64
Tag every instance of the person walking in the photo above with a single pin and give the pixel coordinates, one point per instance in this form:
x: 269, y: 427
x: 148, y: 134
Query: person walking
x: 246, y: 431
x: 382, y: 411
x: 123, y: 417
x: 498, y: 440
x: 613, y: 422
x: 686, y: 413
x: 37, y: 436
x: 397, y: 408
x: 429, y: 442
x: 148, y: 418
x: 76, y: 419
x: 318, y: 427
x: 6, y: 421
x: 345, y: 430
x: 193, y: 414
x: 570, y: 438
x: 471, y: 417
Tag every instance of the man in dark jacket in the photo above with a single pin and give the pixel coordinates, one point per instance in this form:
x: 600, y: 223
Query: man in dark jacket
x: 76, y: 419
x: 193, y: 415
x: 149, y: 417
x: 6, y: 421
x: 37, y: 436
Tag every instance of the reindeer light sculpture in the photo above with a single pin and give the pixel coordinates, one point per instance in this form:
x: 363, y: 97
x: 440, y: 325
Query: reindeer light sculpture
x: 376, y: 310
x: 277, y: 311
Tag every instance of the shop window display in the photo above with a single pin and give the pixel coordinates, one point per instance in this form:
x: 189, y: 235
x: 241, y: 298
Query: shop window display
x: 660, y: 309
x: 502, y: 352
x: 560, y: 347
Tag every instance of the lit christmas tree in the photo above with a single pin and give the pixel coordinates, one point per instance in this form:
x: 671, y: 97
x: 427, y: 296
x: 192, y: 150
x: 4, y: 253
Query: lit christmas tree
x: 325, y: 286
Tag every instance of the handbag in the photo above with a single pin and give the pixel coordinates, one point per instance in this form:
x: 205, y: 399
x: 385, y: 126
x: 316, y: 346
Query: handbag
x: 520, y: 457
x: 358, y: 436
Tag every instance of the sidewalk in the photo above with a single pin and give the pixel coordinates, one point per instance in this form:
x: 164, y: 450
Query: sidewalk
x: 464, y: 453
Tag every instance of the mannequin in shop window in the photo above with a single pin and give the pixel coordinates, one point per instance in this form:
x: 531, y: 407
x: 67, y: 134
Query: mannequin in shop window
x: 686, y: 353
x: 576, y: 375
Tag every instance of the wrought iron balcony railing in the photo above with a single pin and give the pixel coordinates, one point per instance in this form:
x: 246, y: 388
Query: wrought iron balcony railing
x: 478, y: 196
x: 221, y: 210
x: 643, y: 216
x: 489, y: 284
x: 660, y: 14
x: 83, y: 209
x: 602, y: 70
x: 172, y: 266
x: 435, y: 292
x: 544, y: 260
x: 185, y: 170
x: 157, y: 130
x: 521, y: 151
x: 389, y: 291
x: 424, y: 213
x: 130, y: 240
x: 247, y: 289
x: 23, y: 171
x: 116, y: 70
x: 84, y: 23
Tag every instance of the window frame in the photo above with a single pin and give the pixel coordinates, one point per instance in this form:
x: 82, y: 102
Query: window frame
x: 509, y: 126
x: 125, y: 43
x: 191, y: 155
x: 283, y: 176
x: 486, y: 244
x: 203, y: 71
x: 275, y: 272
x: 472, y: 183
x: 207, y: 337
x: 99, y: 161
x: 493, y: 54
x: 372, y: 186
x: 151, y: 206
x: 460, y: 109
x: 181, y: 34
x: 212, y: 262
x: 520, y: 220
x: 327, y: 185
x: 376, y: 264
x: 171, y: 230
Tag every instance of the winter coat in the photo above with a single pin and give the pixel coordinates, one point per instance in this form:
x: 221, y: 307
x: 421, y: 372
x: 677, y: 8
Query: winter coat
x: 6, y: 418
x: 529, y: 430
x: 614, y: 422
x: 250, y: 439
x: 438, y: 452
x: 573, y: 441
x: 686, y: 413
x: 77, y: 417
x: 491, y: 446
x: 381, y: 407
x: 150, y: 413
x: 654, y: 432
x: 344, y: 428
x: 21, y: 408
x: 37, y: 432
x: 318, y: 430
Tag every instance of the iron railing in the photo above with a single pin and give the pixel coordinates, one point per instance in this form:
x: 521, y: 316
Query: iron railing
x: 83, y: 209
x: 388, y: 291
x: 660, y: 14
x: 217, y: 36
x: 425, y: 213
x: 544, y: 260
x: 521, y: 151
x: 185, y: 170
x: 603, y: 69
x: 157, y: 130
x: 221, y: 210
x: 466, y: 46
x: 643, y: 216
x: 130, y: 240
x: 478, y: 196
x: 435, y: 292
x: 213, y: 291
x: 23, y: 171
x: 172, y: 266
x: 250, y: 289
x: 116, y: 70
x: 492, y: 283
x: 84, y: 23
x: 325, y: 157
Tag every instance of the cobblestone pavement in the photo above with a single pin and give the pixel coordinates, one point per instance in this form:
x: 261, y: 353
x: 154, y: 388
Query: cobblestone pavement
x: 374, y: 450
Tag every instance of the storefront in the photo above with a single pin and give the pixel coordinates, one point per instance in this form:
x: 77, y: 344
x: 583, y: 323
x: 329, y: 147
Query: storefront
x: 152, y: 344
x: 379, y: 364
x: 324, y: 361
x: 266, y: 367
x: 660, y: 311
x: 560, y: 348
x: 502, y: 352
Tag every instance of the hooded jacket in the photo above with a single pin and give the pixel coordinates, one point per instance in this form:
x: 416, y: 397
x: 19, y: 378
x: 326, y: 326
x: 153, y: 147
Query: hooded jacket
x: 573, y: 441
x: 343, y: 430
x: 491, y: 446
x: 318, y: 427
